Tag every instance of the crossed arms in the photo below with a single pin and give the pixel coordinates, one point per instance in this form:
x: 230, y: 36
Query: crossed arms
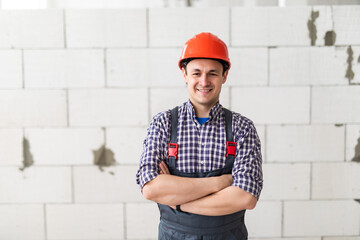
x: 212, y: 196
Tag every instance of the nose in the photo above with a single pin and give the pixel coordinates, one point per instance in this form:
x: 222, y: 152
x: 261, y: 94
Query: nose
x: 203, y: 80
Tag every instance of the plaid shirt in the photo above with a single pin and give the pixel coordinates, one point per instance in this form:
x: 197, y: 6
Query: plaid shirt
x: 202, y: 148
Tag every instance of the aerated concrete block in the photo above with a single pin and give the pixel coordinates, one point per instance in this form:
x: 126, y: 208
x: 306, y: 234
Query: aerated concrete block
x: 35, y: 185
x: 141, y: 67
x: 266, y: 26
x: 20, y: 221
x: 266, y: 214
x: 64, y: 146
x: 321, y: 218
x: 33, y: 108
x: 306, y: 143
x: 105, y: 28
x: 296, y: 187
x: 85, y: 221
x: 64, y: 69
x: 249, y: 67
x: 126, y: 143
x: 112, y: 185
x: 11, y: 145
x: 335, y: 104
x: 172, y: 27
x: 272, y: 105
x: 144, y: 216
x: 346, y: 24
x: 336, y: 181
x: 31, y: 28
x: 11, y: 69
x: 108, y: 107
x: 308, y: 66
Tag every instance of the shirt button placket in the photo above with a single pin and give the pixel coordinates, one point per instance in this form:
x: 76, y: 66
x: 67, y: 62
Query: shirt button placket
x: 202, y: 147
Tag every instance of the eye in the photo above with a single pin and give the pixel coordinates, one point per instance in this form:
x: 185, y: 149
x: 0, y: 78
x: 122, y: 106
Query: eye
x: 196, y: 74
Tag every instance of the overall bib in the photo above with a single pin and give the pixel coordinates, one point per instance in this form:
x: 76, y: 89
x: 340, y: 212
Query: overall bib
x: 176, y: 224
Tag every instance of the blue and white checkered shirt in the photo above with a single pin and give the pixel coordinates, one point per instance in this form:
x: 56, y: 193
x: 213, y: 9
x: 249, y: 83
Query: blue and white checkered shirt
x: 202, y: 148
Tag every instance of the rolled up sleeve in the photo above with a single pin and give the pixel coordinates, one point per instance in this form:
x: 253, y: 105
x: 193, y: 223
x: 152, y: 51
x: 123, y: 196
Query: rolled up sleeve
x: 247, y: 169
x: 154, y: 150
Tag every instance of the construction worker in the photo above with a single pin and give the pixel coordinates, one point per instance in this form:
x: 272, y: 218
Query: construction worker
x: 201, y: 162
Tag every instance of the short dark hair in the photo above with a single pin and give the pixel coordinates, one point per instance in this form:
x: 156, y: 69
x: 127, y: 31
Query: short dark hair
x: 185, y: 62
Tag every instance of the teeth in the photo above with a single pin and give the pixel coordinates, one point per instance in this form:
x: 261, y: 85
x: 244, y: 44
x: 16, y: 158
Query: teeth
x: 204, y: 90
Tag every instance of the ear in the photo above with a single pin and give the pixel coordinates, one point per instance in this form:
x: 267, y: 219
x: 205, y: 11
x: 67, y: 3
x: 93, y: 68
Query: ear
x: 225, y: 76
x: 184, y: 75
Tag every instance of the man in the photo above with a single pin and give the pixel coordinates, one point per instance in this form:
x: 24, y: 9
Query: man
x: 202, y: 163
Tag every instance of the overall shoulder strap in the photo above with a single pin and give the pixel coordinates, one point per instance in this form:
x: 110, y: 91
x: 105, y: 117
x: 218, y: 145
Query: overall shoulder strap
x: 173, y: 146
x: 174, y: 123
x: 230, y: 144
x: 228, y: 125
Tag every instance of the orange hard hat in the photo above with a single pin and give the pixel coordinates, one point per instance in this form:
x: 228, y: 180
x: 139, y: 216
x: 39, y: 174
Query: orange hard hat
x: 205, y: 45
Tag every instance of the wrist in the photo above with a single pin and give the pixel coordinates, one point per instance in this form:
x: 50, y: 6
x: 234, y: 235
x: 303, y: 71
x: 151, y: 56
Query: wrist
x: 219, y: 184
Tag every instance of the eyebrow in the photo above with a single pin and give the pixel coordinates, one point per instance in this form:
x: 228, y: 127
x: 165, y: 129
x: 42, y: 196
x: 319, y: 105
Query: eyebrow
x: 211, y: 71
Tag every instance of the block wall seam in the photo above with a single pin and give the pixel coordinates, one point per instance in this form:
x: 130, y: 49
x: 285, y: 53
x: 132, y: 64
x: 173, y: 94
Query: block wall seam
x: 230, y: 25
x: 147, y: 18
x: 125, y: 221
x: 268, y: 67
x: 105, y: 135
x: 149, y: 104
x: 105, y: 68
x: 64, y: 29
x: 310, y: 102
x: 45, y: 222
x: 67, y: 108
x: 72, y: 185
x: 282, y: 217
x: 345, y: 142
x: 332, y: 18
x: 264, y: 144
x: 311, y: 181
x: 230, y: 97
x: 22, y: 69
x: 23, y: 149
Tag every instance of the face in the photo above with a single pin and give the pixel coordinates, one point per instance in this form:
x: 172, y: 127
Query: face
x: 204, y: 79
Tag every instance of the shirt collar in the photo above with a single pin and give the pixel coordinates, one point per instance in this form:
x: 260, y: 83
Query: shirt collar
x: 214, y: 111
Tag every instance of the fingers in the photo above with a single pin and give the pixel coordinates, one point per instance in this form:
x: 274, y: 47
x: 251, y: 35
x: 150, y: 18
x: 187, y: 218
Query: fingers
x: 163, y: 168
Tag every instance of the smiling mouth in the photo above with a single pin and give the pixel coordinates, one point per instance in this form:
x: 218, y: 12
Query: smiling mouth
x: 204, y: 90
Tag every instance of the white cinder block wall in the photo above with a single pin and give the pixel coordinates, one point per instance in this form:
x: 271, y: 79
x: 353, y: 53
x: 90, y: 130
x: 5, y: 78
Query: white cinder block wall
x: 79, y: 87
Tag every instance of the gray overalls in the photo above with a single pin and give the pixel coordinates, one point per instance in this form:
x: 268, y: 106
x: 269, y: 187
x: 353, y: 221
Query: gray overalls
x: 176, y: 224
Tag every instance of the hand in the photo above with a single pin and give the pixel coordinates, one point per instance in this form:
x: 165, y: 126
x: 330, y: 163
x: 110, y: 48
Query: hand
x: 225, y: 180
x: 163, y: 168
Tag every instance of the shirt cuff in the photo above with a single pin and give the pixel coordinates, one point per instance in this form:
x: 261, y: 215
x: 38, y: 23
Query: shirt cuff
x: 251, y: 186
x: 147, y: 177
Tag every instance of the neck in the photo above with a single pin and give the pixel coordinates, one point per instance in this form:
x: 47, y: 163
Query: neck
x: 202, y: 111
